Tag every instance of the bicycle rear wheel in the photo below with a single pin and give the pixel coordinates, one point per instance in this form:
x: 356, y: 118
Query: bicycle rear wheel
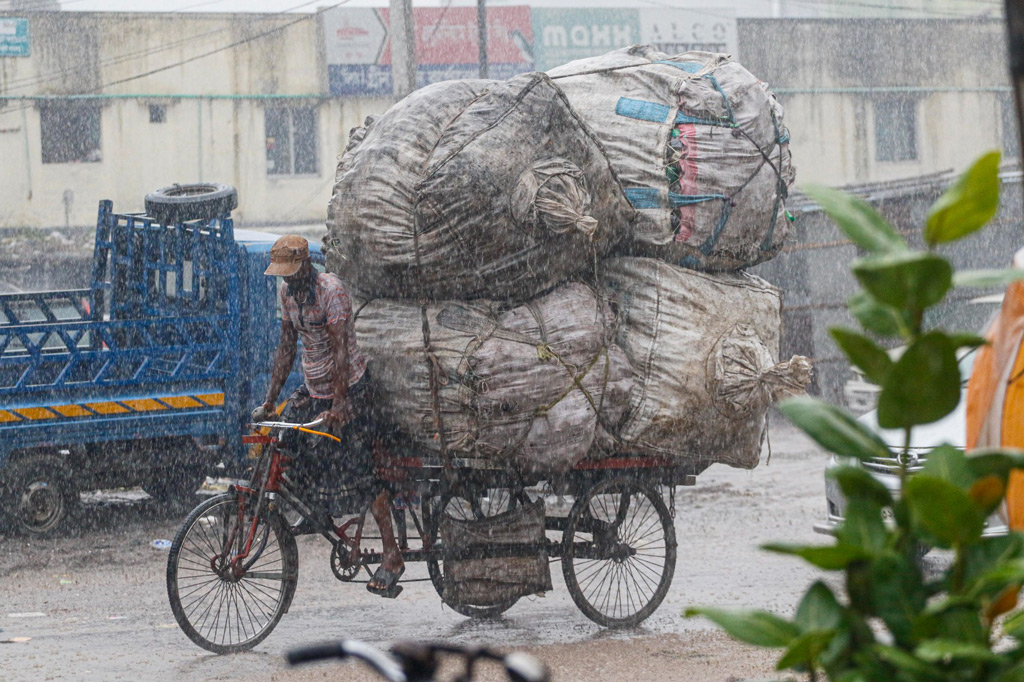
x: 223, y: 603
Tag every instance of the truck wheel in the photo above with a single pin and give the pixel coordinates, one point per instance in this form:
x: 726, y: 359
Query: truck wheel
x: 38, y: 493
x: 176, y: 488
x: 198, y: 201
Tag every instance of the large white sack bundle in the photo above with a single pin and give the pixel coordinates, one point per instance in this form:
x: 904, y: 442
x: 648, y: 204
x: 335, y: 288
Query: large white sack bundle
x: 525, y: 387
x: 699, y: 145
x: 704, y: 349
x: 473, y: 189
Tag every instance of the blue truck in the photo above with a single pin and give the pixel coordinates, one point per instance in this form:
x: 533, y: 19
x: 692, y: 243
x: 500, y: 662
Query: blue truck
x: 147, y: 377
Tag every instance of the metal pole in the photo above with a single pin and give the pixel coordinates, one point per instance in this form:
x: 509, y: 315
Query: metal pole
x: 403, y: 47
x: 1015, y: 43
x: 481, y: 31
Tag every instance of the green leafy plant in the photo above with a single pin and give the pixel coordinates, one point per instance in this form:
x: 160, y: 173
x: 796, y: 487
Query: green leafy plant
x: 893, y: 622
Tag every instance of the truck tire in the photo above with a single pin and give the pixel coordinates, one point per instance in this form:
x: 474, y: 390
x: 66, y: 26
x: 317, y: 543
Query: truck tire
x: 197, y: 201
x: 38, y: 493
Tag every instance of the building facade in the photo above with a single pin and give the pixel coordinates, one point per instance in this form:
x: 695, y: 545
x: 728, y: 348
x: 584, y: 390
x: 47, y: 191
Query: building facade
x: 114, y: 105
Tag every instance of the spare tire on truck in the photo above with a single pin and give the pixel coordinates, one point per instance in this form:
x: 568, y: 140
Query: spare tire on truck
x: 196, y: 201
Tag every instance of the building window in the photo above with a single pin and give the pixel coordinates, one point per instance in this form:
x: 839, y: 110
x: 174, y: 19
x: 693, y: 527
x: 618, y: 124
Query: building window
x: 896, y: 129
x: 1011, y: 136
x: 291, y: 140
x: 157, y: 113
x: 70, y: 132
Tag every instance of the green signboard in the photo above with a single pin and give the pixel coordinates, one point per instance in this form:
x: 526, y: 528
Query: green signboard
x: 562, y: 35
x: 14, y: 38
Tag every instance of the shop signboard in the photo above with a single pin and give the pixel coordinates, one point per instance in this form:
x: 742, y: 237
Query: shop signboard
x: 358, y: 46
x: 562, y: 35
x: 14, y: 38
x: 674, y: 31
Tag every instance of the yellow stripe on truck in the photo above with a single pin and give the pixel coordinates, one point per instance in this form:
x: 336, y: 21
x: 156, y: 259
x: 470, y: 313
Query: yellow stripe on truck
x: 107, y: 408
x: 72, y: 410
x: 181, y: 401
x: 144, y: 405
x: 35, y: 413
x: 177, y: 402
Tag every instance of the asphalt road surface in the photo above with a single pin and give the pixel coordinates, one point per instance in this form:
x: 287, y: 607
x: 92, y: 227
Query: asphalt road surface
x: 92, y: 604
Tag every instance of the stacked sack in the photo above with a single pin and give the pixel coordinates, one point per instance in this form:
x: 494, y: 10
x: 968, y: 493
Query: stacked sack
x: 452, y: 214
x: 699, y: 146
x: 470, y: 215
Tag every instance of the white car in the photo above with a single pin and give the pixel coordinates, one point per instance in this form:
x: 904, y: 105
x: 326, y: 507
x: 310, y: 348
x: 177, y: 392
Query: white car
x: 951, y: 429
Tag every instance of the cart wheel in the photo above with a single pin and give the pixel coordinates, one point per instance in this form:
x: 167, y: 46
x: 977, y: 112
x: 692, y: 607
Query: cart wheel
x: 199, y: 201
x: 619, y: 552
x: 227, y: 606
x: 468, y: 506
x: 38, y: 493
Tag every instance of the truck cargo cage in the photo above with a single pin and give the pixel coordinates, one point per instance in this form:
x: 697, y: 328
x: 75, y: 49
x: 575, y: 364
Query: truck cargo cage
x: 158, y: 311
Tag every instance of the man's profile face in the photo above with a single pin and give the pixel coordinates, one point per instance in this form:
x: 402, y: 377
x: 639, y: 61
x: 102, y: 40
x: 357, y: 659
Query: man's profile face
x: 301, y: 275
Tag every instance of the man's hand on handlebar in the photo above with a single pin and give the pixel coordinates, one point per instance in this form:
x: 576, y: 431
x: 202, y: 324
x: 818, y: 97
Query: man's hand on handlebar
x: 334, y: 419
x: 262, y: 413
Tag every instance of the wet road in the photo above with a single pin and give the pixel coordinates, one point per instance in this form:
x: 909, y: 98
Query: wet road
x: 92, y: 605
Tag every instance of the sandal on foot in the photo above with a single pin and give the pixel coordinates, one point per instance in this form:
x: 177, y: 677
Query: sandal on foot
x: 386, y: 582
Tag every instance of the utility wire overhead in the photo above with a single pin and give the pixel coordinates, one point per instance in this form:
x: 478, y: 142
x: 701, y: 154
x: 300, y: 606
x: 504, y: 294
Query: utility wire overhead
x: 237, y: 43
x: 18, y: 84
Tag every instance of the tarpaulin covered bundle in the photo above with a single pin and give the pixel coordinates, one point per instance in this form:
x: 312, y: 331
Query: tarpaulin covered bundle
x: 703, y: 348
x: 700, y: 148
x: 525, y: 387
x: 473, y: 189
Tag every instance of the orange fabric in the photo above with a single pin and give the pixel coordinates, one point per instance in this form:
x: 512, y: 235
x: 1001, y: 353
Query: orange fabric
x: 992, y: 403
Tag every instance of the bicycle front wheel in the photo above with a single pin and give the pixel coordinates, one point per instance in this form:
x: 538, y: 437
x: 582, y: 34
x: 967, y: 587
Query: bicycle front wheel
x: 226, y: 592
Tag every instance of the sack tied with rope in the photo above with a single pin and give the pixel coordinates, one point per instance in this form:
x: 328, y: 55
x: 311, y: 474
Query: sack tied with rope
x: 699, y: 146
x: 473, y: 189
x: 526, y: 387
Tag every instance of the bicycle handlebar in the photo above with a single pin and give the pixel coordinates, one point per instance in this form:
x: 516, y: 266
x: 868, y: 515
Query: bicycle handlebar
x: 418, y: 662
x: 387, y: 667
x: 288, y: 425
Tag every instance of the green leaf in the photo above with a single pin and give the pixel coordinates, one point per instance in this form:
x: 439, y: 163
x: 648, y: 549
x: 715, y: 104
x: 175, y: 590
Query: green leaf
x: 877, y: 318
x: 1014, y: 625
x: 819, y: 609
x: 955, y: 615
x: 857, y: 219
x: 758, y: 628
x: 827, y: 557
x: 805, y: 649
x: 966, y: 340
x: 858, y: 484
x: 834, y: 429
x: 949, y: 464
x: 908, y: 662
x: 983, y: 557
x: 995, y: 462
x: 864, y: 353
x: 923, y: 386
x: 986, y: 279
x: 905, y: 280
x: 863, y: 527
x: 968, y: 204
x: 897, y: 594
x: 947, y: 650
x: 943, y: 510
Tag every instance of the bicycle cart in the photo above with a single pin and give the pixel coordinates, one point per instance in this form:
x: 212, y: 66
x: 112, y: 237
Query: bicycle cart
x: 233, y: 566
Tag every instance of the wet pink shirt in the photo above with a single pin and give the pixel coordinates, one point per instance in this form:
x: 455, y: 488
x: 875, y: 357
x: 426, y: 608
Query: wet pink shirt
x: 332, y: 305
